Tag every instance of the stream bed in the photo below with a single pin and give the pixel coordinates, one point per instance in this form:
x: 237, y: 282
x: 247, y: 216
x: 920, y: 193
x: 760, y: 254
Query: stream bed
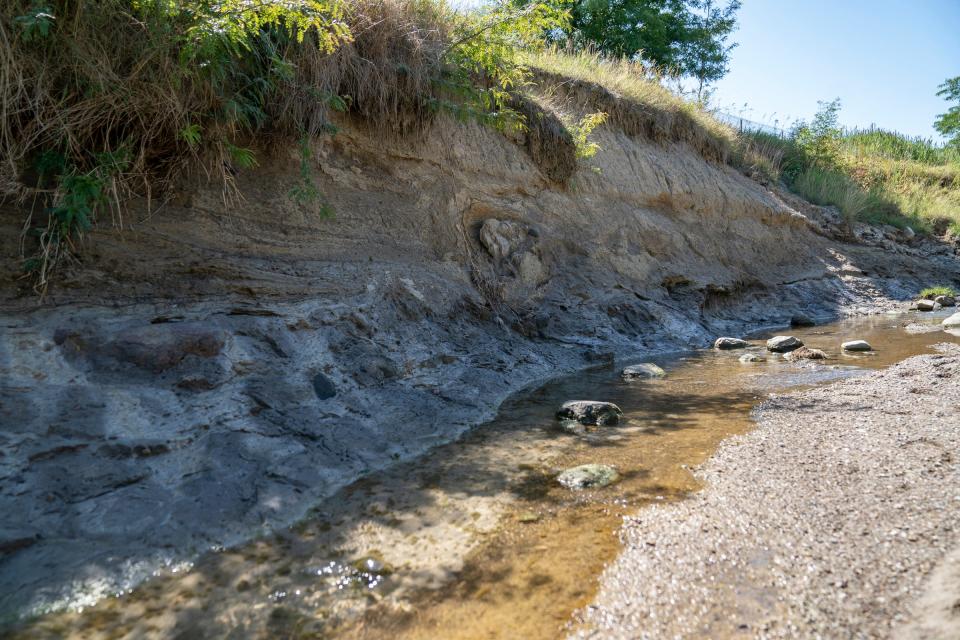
x: 477, y: 539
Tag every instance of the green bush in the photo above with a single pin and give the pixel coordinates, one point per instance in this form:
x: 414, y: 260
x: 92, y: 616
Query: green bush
x: 932, y: 292
x: 194, y: 84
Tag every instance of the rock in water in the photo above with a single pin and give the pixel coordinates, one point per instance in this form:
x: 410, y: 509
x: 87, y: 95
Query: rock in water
x: 928, y: 305
x: 590, y: 412
x: 856, y: 345
x: 751, y: 357
x: 588, y: 476
x: 782, y: 344
x: 945, y: 301
x: 730, y: 343
x: 805, y: 353
x: 643, y: 370
x: 952, y: 321
x: 801, y: 320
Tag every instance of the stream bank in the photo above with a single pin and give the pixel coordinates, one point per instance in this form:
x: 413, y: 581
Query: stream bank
x: 826, y: 521
x: 477, y: 537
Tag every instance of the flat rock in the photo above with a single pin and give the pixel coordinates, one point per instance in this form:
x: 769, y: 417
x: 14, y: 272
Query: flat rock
x: 590, y: 412
x: 730, y: 343
x: 952, y: 321
x: 856, y: 345
x: 751, y: 357
x: 588, y: 476
x: 782, y: 344
x: 643, y: 370
x: 805, y: 353
x: 928, y: 305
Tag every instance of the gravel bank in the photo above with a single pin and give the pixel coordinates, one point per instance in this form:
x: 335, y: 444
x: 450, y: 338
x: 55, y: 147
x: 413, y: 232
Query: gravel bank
x: 829, y: 520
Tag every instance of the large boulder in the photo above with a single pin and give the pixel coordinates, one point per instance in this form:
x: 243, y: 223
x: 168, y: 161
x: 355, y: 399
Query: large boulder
x: 643, y: 370
x: 952, y: 321
x: 590, y: 412
x: 730, y: 343
x: 782, y: 344
x: 945, y: 301
x: 588, y: 476
x: 928, y: 305
x: 856, y: 345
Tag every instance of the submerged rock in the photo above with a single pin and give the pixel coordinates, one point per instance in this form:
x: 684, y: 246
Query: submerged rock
x: 952, y: 321
x: 928, y: 305
x: 751, y: 357
x: 643, y: 370
x: 572, y: 426
x: 856, y: 345
x: 782, y: 344
x: 590, y: 412
x: 945, y: 301
x: 588, y: 476
x: 805, y: 353
x: 730, y: 343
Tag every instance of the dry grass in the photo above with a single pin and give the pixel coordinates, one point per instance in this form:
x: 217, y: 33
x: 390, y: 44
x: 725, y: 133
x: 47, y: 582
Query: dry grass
x: 632, y: 99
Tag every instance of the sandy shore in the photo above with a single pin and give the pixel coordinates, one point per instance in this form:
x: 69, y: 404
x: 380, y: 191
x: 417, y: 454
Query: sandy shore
x: 839, y: 517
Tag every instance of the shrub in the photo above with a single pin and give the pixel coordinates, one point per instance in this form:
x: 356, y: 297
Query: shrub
x: 932, y: 292
x: 175, y: 87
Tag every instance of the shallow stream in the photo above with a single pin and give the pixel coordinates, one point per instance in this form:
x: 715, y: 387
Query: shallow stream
x: 476, y: 539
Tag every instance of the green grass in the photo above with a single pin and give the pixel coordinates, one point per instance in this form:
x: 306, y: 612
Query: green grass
x: 879, y: 143
x: 932, y: 292
x: 877, y: 176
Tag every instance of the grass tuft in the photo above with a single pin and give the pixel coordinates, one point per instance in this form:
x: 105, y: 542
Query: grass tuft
x: 932, y: 292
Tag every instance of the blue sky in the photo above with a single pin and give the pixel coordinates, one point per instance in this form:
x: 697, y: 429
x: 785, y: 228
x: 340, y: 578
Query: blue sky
x: 882, y: 58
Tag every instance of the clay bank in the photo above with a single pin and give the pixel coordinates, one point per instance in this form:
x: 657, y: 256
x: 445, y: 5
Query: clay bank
x: 213, y: 371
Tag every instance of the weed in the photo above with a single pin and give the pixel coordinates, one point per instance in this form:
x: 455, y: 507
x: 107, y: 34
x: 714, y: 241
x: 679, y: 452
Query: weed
x: 932, y: 292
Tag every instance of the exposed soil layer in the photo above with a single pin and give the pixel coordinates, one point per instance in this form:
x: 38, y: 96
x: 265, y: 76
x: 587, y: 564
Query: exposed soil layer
x: 826, y: 521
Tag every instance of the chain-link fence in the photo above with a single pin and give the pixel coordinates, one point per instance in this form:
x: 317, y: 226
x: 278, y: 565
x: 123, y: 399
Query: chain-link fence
x: 742, y: 124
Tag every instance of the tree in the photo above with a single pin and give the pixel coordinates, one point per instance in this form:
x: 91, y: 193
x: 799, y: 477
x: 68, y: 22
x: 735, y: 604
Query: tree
x: 706, y: 54
x: 686, y: 37
x: 625, y: 28
x: 949, y: 123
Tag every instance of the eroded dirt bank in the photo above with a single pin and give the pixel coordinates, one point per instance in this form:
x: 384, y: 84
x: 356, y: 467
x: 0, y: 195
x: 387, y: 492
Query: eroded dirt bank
x: 212, y: 370
x: 824, y: 522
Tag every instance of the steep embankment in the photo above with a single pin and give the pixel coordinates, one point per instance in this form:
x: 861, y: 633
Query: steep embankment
x: 212, y: 369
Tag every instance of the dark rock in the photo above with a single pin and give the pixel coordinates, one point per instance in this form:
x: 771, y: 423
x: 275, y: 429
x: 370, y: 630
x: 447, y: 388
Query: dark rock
x: 323, y: 387
x: 730, y: 343
x: 590, y: 412
x: 801, y: 320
